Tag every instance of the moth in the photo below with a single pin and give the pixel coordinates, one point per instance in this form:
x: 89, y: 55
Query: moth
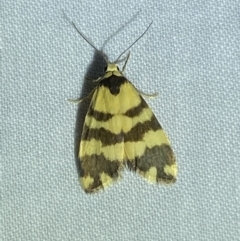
x: 120, y: 130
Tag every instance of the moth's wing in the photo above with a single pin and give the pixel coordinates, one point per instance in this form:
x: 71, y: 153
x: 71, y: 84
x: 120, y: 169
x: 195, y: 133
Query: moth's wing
x: 147, y: 147
x: 101, y: 151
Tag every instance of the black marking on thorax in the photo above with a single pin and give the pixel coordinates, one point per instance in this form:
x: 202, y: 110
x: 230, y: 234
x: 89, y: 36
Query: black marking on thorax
x: 113, y: 83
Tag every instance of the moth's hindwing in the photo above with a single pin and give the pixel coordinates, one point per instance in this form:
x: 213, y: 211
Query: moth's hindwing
x: 120, y: 129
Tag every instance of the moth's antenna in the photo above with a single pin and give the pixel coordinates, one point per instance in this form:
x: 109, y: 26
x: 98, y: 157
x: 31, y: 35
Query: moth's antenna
x: 121, y: 27
x: 89, y: 42
x: 133, y: 42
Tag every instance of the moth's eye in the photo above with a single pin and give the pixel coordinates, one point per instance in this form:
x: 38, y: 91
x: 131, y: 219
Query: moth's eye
x: 105, y: 69
x: 117, y: 68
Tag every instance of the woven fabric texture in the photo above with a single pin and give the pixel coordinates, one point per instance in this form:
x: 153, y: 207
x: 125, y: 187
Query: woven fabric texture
x: 190, y: 56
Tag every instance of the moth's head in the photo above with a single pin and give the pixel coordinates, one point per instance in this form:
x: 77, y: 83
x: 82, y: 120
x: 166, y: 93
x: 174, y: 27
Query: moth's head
x: 111, y: 67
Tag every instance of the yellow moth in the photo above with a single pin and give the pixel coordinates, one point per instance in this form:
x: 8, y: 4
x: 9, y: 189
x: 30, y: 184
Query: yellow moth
x: 121, y: 130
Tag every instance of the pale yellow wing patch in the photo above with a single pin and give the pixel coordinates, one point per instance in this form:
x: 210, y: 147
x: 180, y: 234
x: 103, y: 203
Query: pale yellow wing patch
x: 127, y: 98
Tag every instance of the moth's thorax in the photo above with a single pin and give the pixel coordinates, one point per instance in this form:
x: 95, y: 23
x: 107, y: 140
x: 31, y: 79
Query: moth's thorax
x: 112, y: 69
x: 113, y: 79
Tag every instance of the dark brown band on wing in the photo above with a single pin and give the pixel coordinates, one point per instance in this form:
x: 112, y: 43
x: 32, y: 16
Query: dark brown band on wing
x: 138, y: 131
x: 109, y: 138
x: 159, y: 157
x: 94, y: 165
x: 98, y: 115
x: 137, y: 110
x: 106, y: 137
